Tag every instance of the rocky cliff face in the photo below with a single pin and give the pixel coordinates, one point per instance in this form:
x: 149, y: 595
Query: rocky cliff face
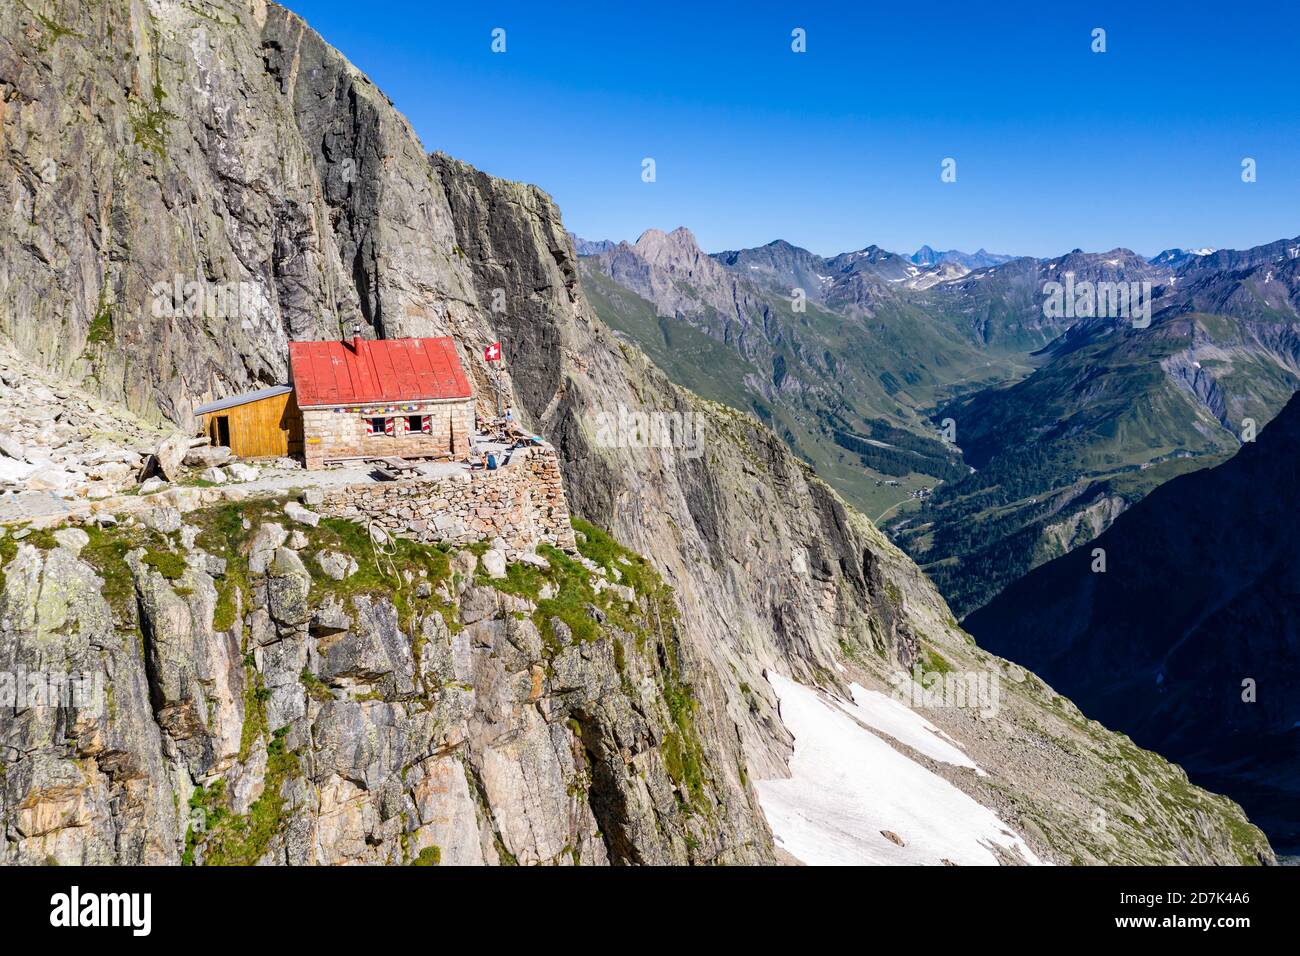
x: 262, y: 701
x: 302, y: 725
x: 188, y: 187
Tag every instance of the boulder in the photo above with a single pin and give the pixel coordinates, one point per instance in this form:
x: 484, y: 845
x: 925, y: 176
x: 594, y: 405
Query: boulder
x: 335, y: 565
x: 167, y: 458
x: 464, y: 563
x: 214, y: 475
x: 262, y: 549
x: 287, y: 587
x: 150, y: 485
x: 297, y: 512
x: 238, y: 471
x: 207, y: 456
x: 12, y: 448
x: 49, y: 478
x: 494, y: 563
x: 99, y: 491
x: 14, y: 471
x: 164, y: 520
x: 74, y: 539
x: 115, y: 472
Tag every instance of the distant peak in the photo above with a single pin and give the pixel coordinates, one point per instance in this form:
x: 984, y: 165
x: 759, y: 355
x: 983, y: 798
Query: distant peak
x: 680, y: 236
x: 661, y: 248
x: 591, y: 247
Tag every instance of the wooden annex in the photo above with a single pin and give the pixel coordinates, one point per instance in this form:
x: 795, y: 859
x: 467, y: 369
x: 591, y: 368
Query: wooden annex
x: 261, y: 424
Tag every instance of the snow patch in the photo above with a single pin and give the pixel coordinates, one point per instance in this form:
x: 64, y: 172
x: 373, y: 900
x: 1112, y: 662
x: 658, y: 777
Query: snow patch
x: 888, y: 716
x: 847, y: 785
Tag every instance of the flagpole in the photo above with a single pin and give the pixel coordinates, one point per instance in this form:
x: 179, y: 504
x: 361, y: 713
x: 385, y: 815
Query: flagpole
x: 492, y: 355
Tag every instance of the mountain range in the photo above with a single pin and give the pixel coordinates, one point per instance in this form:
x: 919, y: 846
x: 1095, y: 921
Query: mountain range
x: 588, y: 247
x: 1062, y: 420
x: 981, y: 259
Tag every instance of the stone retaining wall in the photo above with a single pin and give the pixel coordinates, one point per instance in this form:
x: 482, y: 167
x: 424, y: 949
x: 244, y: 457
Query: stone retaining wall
x: 522, y: 502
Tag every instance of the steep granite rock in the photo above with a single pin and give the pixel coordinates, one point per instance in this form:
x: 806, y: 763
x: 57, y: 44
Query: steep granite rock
x: 284, y: 716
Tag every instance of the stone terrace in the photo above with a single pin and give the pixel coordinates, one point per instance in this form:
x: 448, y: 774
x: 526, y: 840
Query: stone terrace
x: 522, y: 502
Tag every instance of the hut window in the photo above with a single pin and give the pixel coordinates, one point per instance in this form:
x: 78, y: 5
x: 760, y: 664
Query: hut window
x: 379, y: 426
x: 418, y: 424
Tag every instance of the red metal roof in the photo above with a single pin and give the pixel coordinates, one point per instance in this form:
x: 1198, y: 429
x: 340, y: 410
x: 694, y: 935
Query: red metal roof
x: 366, y: 371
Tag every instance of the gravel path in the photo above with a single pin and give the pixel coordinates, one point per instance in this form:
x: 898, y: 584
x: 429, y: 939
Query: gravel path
x: 26, y: 506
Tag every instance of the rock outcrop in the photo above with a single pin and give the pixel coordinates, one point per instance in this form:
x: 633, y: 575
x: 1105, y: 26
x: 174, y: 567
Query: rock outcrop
x: 248, y: 706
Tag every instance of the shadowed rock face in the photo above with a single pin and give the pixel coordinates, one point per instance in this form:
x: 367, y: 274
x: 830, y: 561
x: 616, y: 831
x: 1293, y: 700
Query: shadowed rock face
x: 225, y: 150
x: 1201, y: 594
x: 238, y: 146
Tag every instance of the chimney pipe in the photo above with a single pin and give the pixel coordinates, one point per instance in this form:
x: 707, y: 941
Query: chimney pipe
x: 356, y: 336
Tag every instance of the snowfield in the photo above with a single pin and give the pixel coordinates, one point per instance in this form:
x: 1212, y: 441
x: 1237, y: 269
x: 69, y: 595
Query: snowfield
x: 847, y: 785
x: 888, y: 716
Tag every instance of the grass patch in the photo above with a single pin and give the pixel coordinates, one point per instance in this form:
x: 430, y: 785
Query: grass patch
x: 934, y: 662
x: 170, y: 565
x: 222, y: 533
x: 255, y: 697
x: 106, y: 552
x: 101, y: 326
x: 624, y: 565
x: 377, y: 574
x: 231, y: 840
x: 683, y: 750
x: 317, y: 689
x: 573, y: 592
x: 429, y: 856
x: 8, y: 551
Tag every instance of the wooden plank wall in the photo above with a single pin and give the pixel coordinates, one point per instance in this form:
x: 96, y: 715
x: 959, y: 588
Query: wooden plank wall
x: 268, y: 428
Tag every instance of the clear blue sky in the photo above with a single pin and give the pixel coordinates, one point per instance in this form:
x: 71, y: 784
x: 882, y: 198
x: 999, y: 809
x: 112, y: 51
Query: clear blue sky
x: 839, y: 147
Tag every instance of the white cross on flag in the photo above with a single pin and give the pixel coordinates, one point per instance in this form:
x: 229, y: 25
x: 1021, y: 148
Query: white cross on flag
x: 493, y: 352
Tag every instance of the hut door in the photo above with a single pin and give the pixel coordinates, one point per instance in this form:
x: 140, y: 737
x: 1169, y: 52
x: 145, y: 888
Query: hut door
x: 223, y: 430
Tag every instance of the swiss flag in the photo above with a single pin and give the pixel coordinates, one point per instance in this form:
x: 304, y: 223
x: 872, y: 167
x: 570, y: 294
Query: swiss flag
x: 493, y: 352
